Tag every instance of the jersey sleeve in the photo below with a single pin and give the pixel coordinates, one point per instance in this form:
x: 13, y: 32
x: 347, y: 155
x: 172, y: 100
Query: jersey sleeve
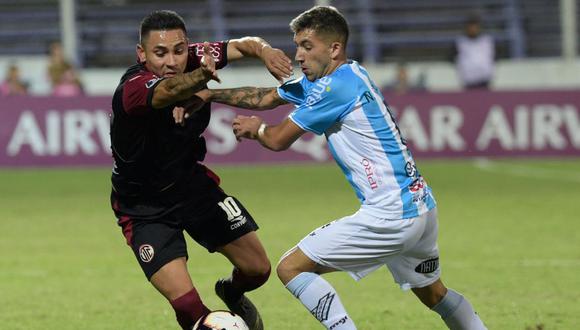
x: 138, y: 92
x: 326, y: 103
x: 218, y: 50
x: 292, y: 90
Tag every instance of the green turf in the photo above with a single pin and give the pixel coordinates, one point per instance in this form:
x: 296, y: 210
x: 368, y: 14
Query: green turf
x: 509, y: 241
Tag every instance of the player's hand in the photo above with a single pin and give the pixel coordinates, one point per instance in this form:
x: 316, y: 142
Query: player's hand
x: 186, y: 108
x: 179, y: 115
x: 207, y: 63
x: 279, y: 65
x: 246, y: 127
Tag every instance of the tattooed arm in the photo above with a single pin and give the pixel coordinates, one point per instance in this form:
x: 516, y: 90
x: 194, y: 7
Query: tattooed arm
x: 244, y: 97
x: 184, y: 85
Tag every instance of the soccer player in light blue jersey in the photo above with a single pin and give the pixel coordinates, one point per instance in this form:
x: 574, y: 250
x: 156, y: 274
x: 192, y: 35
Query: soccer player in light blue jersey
x: 396, y: 225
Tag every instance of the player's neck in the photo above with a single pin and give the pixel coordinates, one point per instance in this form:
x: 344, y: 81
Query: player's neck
x: 333, y: 66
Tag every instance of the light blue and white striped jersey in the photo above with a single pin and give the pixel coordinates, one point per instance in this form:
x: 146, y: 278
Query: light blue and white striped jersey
x: 363, y: 138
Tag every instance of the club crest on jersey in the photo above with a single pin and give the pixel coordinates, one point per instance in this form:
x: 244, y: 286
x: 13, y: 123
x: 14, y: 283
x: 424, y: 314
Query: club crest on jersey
x: 146, y: 252
x: 152, y: 82
x: 428, y: 266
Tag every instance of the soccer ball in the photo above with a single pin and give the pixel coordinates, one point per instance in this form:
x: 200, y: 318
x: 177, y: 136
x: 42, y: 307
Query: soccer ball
x: 221, y: 320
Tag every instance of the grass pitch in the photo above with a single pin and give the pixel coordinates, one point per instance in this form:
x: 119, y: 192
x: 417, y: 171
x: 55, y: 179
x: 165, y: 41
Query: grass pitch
x: 509, y: 241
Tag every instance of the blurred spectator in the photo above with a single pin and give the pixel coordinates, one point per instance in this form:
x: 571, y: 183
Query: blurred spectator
x: 474, y: 55
x: 63, y: 76
x: 402, y: 85
x: 69, y: 84
x: 13, y: 84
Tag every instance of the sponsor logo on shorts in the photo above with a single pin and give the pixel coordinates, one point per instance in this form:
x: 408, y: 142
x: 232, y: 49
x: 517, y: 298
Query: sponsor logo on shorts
x: 233, y: 212
x: 320, y: 312
x: 146, y: 252
x: 428, y: 266
x: 238, y: 222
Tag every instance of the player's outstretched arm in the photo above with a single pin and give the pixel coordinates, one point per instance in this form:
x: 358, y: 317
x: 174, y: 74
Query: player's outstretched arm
x: 244, y: 97
x: 279, y: 65
x: 277, y: 137
x: 183, y: 86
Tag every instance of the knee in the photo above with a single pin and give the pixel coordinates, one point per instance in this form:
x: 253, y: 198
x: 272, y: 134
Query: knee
x: 257, y: 275
x: 261, y: 268
x: 286, y: 271
x: 263, y: 273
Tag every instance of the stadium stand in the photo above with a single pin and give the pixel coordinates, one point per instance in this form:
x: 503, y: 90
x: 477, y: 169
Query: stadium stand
x: 417, y: 30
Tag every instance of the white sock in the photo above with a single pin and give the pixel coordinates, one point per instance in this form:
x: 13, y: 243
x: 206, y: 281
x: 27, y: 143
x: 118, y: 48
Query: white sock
x: 320, y: 298
x: 457, y: 312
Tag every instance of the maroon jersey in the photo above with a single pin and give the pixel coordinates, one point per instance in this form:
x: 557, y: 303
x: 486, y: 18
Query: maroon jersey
x: 151, y: 152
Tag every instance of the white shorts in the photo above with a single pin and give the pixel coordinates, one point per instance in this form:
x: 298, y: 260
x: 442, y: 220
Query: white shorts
x: 359, y: 244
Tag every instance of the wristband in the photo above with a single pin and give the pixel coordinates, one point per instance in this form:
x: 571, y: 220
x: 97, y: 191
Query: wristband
x: 262, y: 130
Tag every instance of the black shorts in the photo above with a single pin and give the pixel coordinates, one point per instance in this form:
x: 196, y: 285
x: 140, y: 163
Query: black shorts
x: 155, y: 230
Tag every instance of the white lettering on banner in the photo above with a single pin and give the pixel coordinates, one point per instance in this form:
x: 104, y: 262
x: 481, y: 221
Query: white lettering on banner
x: 546, y: 122
x: 220, y: 127
x: 102, y: 121
x: 69, y: 132
x: 495, y: 126
x: 225, y: 142
x: 522, y: 128
x: 315, y: 147
x: 26, y: 132
x: 572, y: 124
x: 78, y: 127
x: 446, y: 120
x: 542, y: 127
x: 53, y: 146
x: 412, y: 128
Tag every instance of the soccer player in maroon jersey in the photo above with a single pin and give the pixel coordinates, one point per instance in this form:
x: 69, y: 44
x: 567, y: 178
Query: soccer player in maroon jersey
x: 161, y: 189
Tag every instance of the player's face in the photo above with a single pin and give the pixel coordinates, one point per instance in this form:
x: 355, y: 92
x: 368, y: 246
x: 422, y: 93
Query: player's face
x: 164, y: 52
x: 313, y: 54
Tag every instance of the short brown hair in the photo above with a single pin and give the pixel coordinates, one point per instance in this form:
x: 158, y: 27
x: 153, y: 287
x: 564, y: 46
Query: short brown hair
x: 324, y: 20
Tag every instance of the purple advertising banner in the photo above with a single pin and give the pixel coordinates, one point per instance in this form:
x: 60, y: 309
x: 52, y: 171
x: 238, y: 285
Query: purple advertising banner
x: 75, y: 131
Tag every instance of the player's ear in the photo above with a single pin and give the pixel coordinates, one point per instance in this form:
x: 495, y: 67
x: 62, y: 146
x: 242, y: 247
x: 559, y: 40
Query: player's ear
x: 335, y: 49
x: 141, y: 53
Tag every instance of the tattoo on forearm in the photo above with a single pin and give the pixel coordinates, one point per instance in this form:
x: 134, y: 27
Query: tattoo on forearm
x: 194, y: 80
x: 246, y: 97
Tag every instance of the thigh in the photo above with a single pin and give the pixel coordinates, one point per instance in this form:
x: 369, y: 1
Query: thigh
x: 247, y: 254
x: 217, y: 219
x: 357, y: 244
x: 172, y: 280
x: 418, y: 265
x: 156, y: 243
x: 151, y: 230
